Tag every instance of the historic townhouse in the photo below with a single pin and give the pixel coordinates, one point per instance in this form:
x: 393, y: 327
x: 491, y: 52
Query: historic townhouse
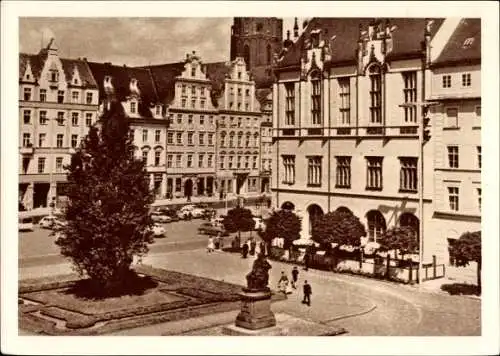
x: 341, y: 139
x: 238, y: 129
x: 190, y: 153
x: 456, y: 127
x: 135, y: 90
x: 266, y: 141
x: 58, y: 102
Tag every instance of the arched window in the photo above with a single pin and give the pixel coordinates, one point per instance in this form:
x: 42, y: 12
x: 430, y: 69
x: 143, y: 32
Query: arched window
x: 240, y: 135
x: 222, y: 139
x: 246, y: 56
x: 269, y: 54
x: 376, y: 225
x: 247, y: 139
x: 231, y: 139
x: 255, y: 139
x: 315, y: 212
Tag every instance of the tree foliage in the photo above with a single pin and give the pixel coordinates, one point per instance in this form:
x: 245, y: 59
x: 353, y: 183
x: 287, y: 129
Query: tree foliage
x: 108, y: 203
x: 237, y: 220
x: 468, y: 249
x: 283, y: 224
x: 340, y: 227
x: 401, y: 238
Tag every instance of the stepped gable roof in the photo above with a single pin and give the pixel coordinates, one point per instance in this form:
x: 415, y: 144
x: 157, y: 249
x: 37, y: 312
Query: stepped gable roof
x: 163, y: 77
x: 464, y: 44
x: 407, y: 37
x: 121, y: 77
x: 86, y: 76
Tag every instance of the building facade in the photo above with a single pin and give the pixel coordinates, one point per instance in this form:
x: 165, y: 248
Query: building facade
x: 58, y: 102
x: 456, y: 127
x: 134, y: 89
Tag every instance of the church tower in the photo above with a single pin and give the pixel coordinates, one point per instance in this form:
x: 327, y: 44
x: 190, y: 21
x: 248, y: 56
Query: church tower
x: 257, y: 40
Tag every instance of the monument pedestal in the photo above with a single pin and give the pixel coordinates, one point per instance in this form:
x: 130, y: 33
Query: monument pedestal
x: 255, y: 311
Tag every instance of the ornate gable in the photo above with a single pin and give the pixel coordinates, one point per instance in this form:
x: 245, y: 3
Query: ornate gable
x: 75, y: 77
x: 376, y: 43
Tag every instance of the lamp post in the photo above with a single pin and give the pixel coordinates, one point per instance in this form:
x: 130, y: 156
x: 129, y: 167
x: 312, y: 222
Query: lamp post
x: 423, y: 136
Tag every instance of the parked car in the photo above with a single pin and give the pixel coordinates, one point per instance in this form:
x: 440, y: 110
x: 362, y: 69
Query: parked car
x: 160, y: 217
x: 25, y: 224
x: 158, y: 230
x: 188, y: 207
x: 183, y: 214
x: 198, y: 213
x: 51, y: 222
x: 209, y: 229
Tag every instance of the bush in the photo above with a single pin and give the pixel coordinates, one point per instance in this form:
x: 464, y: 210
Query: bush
x: 461, y: 289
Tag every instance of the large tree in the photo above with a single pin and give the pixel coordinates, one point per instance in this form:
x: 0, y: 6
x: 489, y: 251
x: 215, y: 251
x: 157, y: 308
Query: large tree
x: 468, y: 249
x: 402, y: 239
x: 340, y: 227
x: 283, y: 224
x: 237, y: 220
x: 108, y: 204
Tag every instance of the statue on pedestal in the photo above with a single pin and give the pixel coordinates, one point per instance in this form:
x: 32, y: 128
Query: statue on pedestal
x: 258, y: 278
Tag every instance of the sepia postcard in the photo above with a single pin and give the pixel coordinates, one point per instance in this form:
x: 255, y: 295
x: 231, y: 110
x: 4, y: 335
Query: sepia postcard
x: 200, y: 172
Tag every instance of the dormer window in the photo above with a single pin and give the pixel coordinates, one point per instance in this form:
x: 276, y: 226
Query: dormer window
x: 54, y: 75
x: 193, y: 71
x: 239, y: 75
x: 28, y: 76
x: 133, y: 107
x: 75, y: 81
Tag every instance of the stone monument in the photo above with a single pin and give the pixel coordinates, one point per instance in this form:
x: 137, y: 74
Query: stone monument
x: 256, y: 298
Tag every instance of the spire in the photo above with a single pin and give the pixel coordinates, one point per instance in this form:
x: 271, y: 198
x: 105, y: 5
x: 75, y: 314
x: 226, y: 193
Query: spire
x: 296, y: 29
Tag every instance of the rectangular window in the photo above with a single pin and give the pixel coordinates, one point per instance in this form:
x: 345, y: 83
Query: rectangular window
x: 210, y: 139
x: 478, y: 190
x: 60, y: 96
x: 446, y: 81
x: 408, y: 175
x: 157, y: 136
x: 178, y: 161
x: 193, y: 90
x: 75, y: 97
x: 202, y: 91
x: 43, y: 117
x: 193, y: 103
x: 74, y: 118
x: 145, y: 157
x: 27, y: 116
x: 314, y: 171
x: 289, y: 169
x: 238, y: 162
x: 316, y: 102
x: 239, y: 141
x: 451, y: 117
x: 246, y: 106
x: 201, y: 156
x: 59, y: 164
x: 247, y: 92
x: 183, y: 89
x: 133, y: 107
x: 157, y: 158
x: 89, y: 98
x: 190, y: 138
x: 221, y: 162
x: 254, y: 162
x: 26, y: 140
x: 179, y: 138
x: 453, y: 198
x: 189, y: 161
x: 41, y: 164
x: 27, y: 94
x: 410, y: 95
x: 345, y: 100
x: 190, y: 119
x: 202, y: 120
x: 202, y: 104
x: 178, y: 183
x: 60, y: 118
x: 375, y: 98
x: 231, y: 140
x: 290, y: 104
x: 478, y: 148
x: 88, y: 119
x: 26, y: 164
x: 466, y: 80
x: 247, y: 162
x: 374, y: 173
x: 230, y: 163
x: 41, y: 139
x: 201, y: 138
x: 144, y: 135
x: 343, y: 174
x: 209, y: 161
x: 59, y: 140
x: 229, y: 185
x: 179, y: 119
x: 170, y: 138
x: 183, y: 103
x: 453, y: 156
x: 169, y: 160
x: 74, y: 141
x: 43, y: 95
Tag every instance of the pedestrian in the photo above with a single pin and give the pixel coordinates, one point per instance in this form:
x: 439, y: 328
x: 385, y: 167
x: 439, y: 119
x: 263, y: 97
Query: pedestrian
x: 307, y: 294
x: 283, y: 283
x: 295, y: 277
x: 263, y: 248
x: 217, y: 242
x: 253, y: 245
x: 210, y: 246
x: 244, y: 250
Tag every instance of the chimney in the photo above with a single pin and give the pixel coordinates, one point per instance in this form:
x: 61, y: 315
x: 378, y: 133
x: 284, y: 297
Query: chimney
x: 296, y: 29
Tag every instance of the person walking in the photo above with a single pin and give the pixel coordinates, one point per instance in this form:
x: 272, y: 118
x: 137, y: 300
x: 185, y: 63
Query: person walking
x: 307, y: 294
x: 283, y: 283
x: 210, y: 246
x: 244, y: 250
x: 253, y: 245
x: 263, y: 248
x: 295, y: 277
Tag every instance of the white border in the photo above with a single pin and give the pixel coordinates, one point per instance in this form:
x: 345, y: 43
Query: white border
x: 12, y: 343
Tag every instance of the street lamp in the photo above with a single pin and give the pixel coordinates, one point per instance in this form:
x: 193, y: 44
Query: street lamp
x: 423, y: 137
